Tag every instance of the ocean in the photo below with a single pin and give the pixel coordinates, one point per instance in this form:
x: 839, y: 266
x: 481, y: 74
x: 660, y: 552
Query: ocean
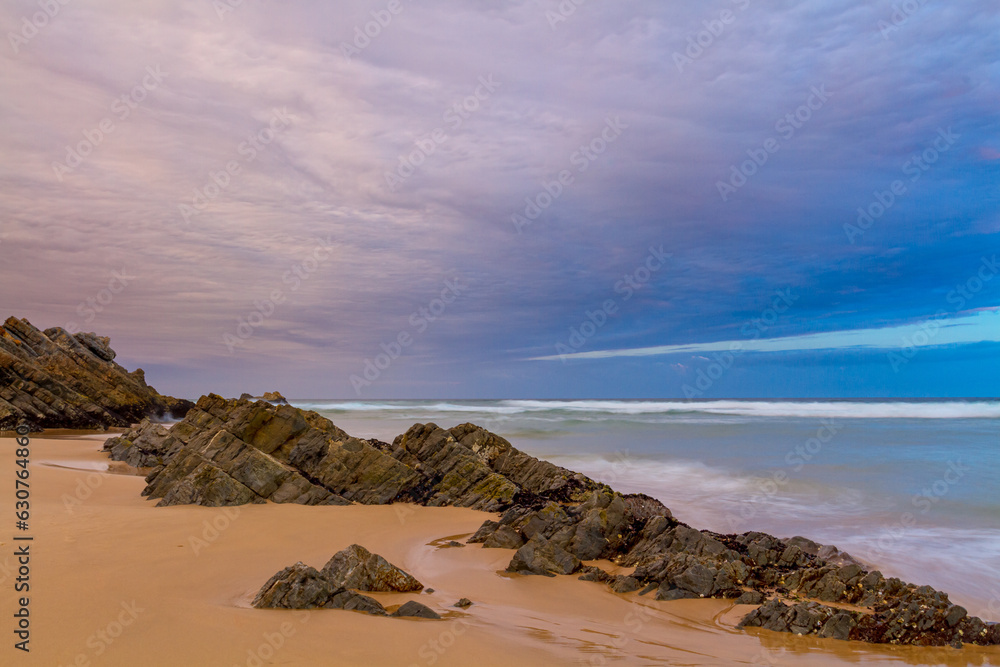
x: 911, y: 487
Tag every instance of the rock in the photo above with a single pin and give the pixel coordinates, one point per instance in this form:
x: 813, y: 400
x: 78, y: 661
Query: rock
x: 838, y: 627
x: 287, y: 455
x: 697, y: 579
x: 592, y: 573
x: 274, y: 397
x: 750, y: 597
x: 831, y: 554
x: 504, y: 537
x: 453, y: 543
x: 464, y: 603
x: 541, y: 556
x: 303, y: 587
x: 231, y: 452
x: 484, y: 532
x: 55, y: 379
x: 356, y: 567
x: 624, y: 584
x: 954, y: 615
x: 429, y: 590
x: 150, y: 445
x: 413, y: 609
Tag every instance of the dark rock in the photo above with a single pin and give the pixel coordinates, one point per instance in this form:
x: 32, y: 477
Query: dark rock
x: 504, y: 537
x: 592, y: 573
x: 624, y: 584
x: 356, y: 567
x: 541, y: 556
x: 56, y: 379
x: 838, y: 627
x: 750, y: 597
x: 414, y: 609
x: 485, y: 530
x: 303, y: 587
x: 464, y: 603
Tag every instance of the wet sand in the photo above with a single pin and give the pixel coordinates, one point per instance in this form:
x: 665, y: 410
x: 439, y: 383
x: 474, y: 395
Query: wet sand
x: 115, y: 581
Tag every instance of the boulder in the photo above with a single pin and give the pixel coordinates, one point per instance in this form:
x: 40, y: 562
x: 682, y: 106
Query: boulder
x: 356, y: 567
x: 414, y: 609
x: 304, y: 587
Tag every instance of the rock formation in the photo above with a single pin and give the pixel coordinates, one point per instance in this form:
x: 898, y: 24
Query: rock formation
x: 234, y: 452
x: 55, y: 379
x: 335, y: 586
x: 356, y: 567
x: 230, y: 452
x: 304, y: 587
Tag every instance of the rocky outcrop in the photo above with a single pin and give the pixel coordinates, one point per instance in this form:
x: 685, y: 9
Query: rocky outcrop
x: 233, y: 452
x: 674, y: 561
x: 55, y: 379
x: 228, y: 452
x: 918, y: 617
x: 356, y: 567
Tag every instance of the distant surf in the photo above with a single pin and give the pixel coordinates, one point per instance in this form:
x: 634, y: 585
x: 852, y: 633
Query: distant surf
x: 804, y: 409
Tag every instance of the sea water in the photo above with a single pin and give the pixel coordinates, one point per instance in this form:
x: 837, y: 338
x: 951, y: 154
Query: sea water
x: 910, y: 487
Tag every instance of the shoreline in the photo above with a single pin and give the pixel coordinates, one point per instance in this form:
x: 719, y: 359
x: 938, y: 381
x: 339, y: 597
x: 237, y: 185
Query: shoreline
x: 192, y: 571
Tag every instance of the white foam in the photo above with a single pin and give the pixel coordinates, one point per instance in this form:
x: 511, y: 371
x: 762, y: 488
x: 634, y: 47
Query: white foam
x: 815, y: 409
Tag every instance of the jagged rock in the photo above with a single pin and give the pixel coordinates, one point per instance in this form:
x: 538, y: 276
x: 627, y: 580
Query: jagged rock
x: 464, y: 603
x: 481, y: 470
x: 152, y: 446
x: 356, y: 567
x: 829, y: 553
x: 484, y: 532
x: 274, y: 397
x: 915, y: 618
x: 750, y: 597
x: 243, y: 451
x: 592, y: 573
x: 303, y: 587
x: 414, y: 609
x: 624, y: 584
x: 541, y: 556
x: 285, y: 454
x: 504, y: 537
x: 55, y: 379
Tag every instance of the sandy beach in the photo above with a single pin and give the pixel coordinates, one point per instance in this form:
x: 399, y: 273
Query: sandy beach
x: 115, y: 581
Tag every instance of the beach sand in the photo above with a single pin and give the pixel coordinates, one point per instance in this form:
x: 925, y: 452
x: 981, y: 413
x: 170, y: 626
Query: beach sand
x: 116, y: 581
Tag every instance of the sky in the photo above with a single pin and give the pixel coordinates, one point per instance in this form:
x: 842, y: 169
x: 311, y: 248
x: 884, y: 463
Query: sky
x: 524, y: 199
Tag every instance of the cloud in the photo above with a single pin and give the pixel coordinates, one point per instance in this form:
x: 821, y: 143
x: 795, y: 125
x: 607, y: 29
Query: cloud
x: 980, y: 327
x: 354, y: 118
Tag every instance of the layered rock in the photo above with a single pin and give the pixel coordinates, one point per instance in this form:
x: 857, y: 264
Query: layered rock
x: 233, y: 452
x: 55, y: 379
x: 302, y: 587
x: 674, y: 561
x: 356, y: 567
x: 229, y: 452
x: 336, y: 586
